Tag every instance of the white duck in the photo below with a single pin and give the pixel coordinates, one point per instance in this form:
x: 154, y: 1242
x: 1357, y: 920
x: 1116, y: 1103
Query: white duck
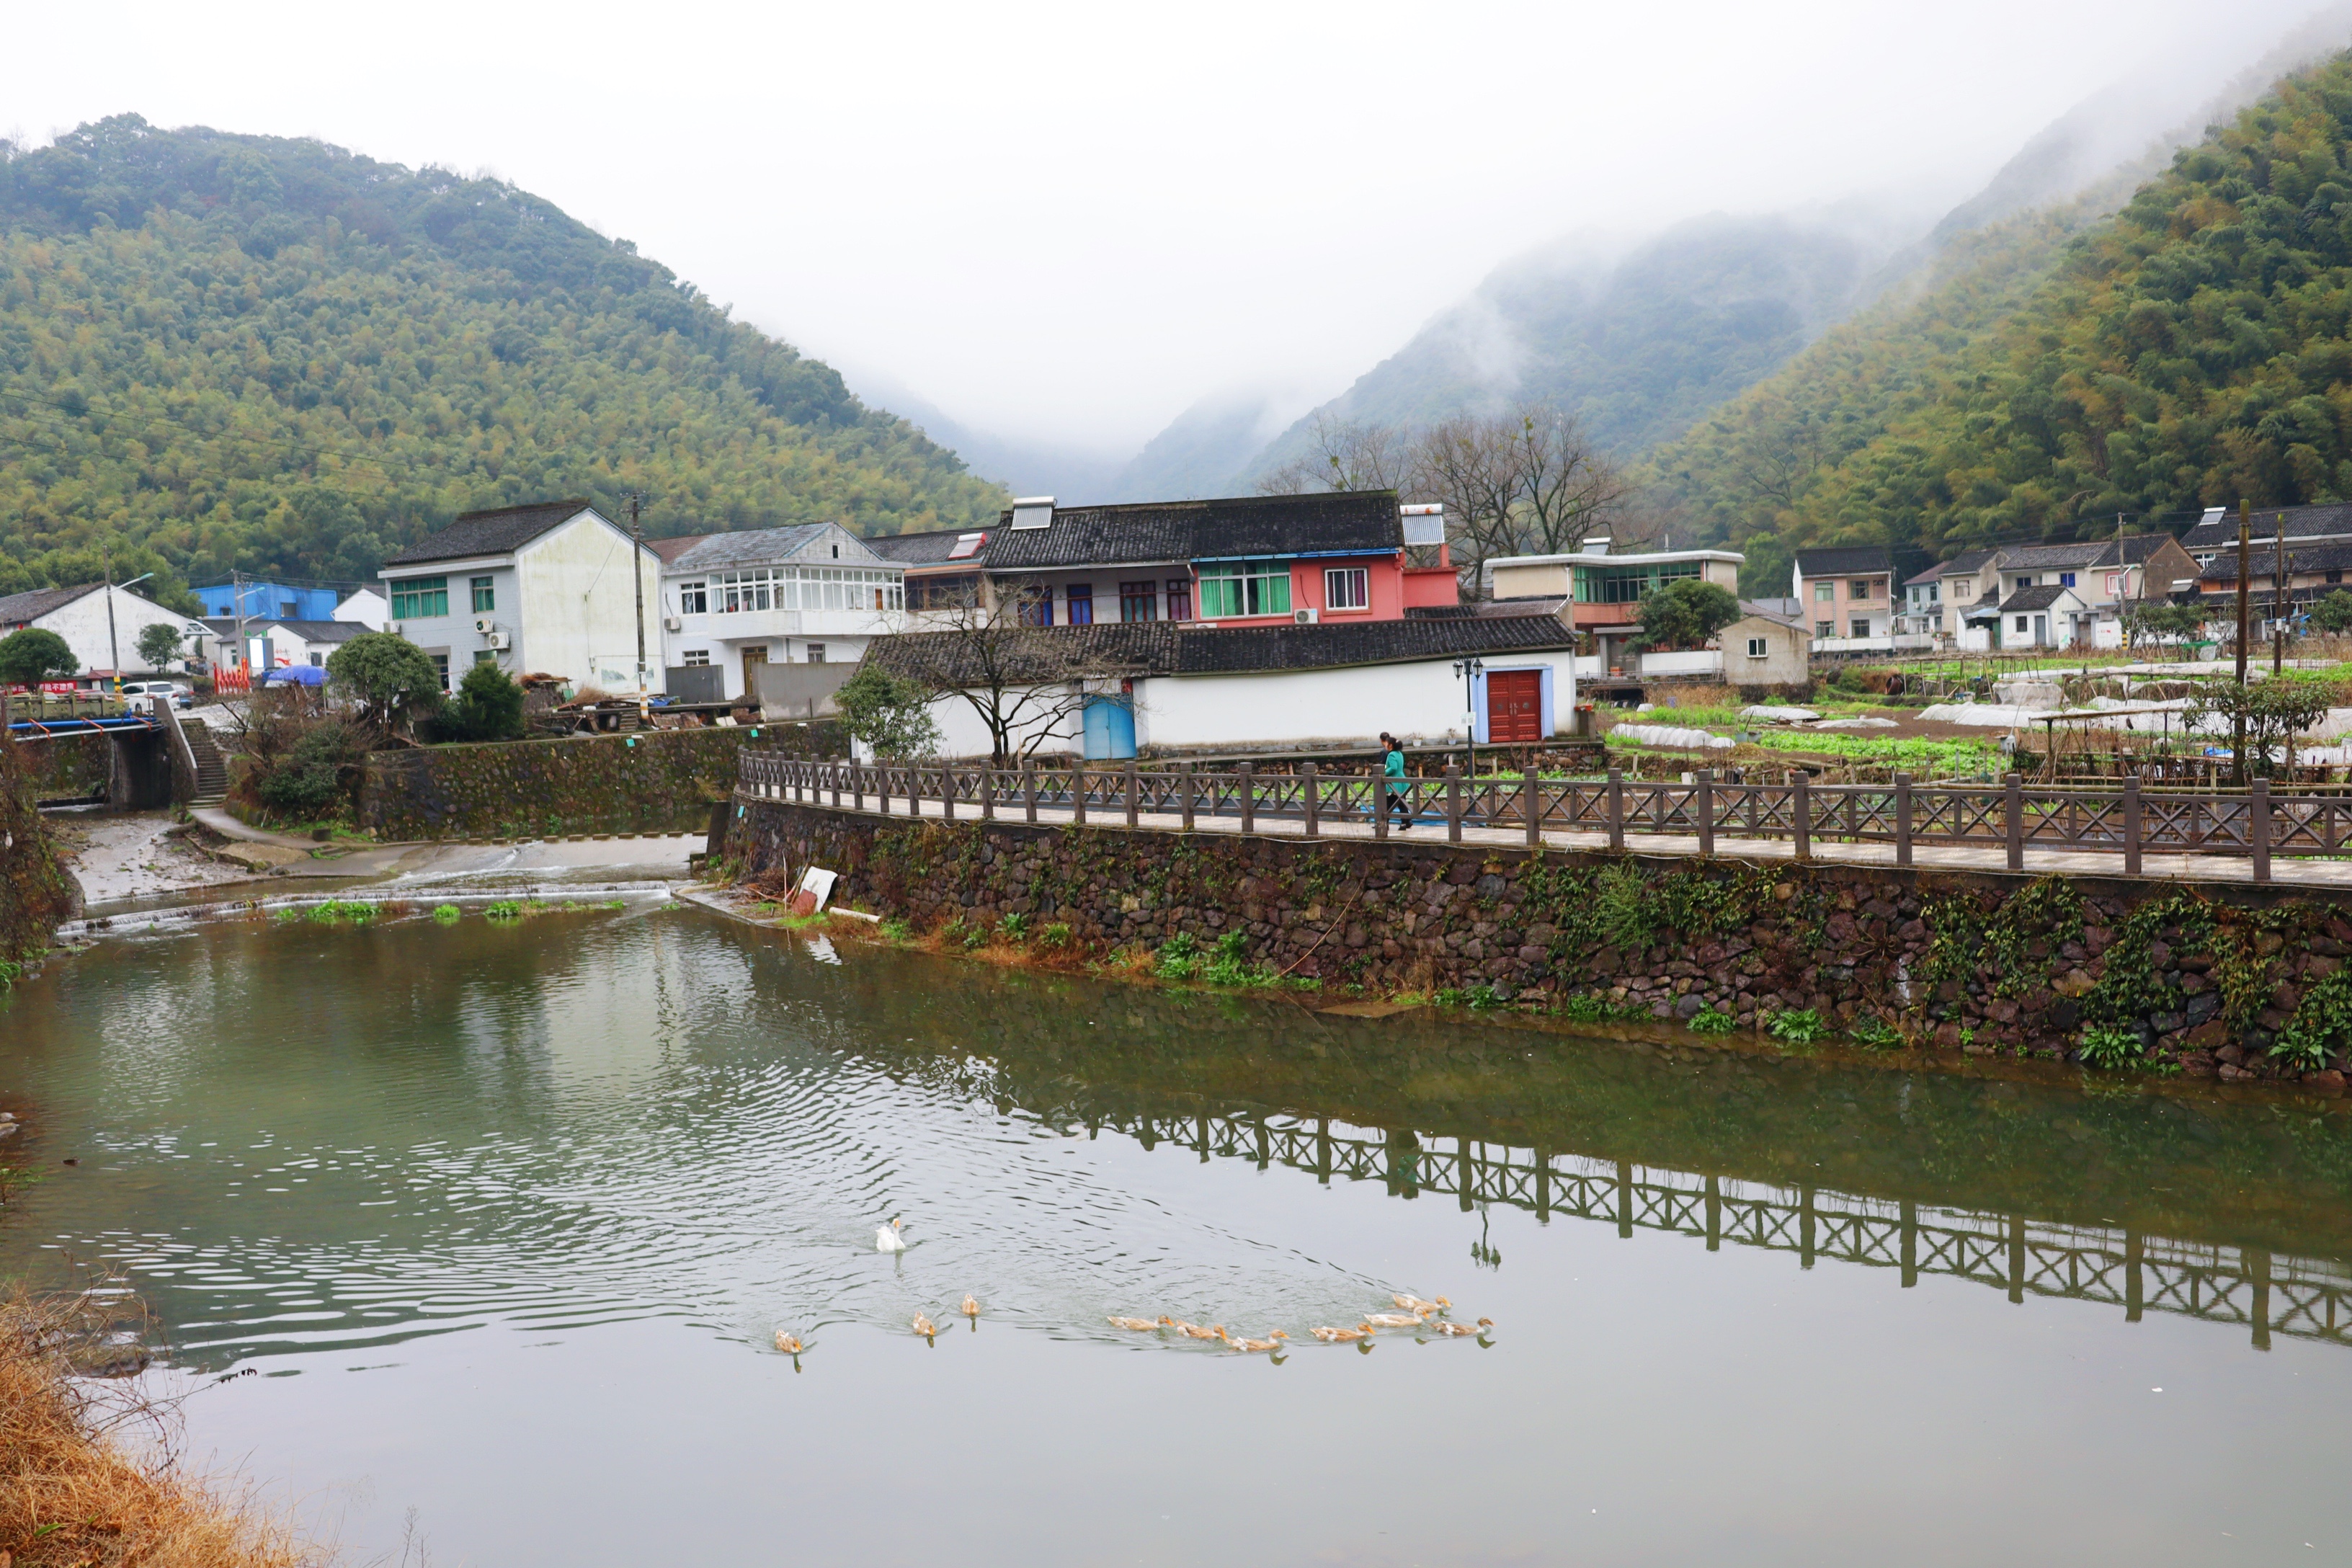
x: 888, y: 1239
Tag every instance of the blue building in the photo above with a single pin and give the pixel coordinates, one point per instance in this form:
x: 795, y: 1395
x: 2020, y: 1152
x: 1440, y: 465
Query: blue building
x: 273, y: 601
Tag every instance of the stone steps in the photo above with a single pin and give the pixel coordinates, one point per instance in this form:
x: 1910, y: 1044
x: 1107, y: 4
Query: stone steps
x: 212, y: 773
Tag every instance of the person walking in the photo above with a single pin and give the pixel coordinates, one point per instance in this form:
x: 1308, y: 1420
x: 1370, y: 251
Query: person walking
x: 1392, y: 780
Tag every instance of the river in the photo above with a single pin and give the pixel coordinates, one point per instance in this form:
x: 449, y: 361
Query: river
x: 505, y: 1217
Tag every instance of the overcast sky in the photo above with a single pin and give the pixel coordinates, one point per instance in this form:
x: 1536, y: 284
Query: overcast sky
x: 1068, y: 223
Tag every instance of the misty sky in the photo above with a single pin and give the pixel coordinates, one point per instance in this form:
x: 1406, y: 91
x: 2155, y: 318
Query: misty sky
x: 1068, y: 223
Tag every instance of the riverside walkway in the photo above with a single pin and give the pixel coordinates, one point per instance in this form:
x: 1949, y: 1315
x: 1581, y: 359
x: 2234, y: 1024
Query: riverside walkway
x: 2250, y: 837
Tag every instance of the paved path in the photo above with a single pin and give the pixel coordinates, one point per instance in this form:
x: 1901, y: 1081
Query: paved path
x: 2039, y: 862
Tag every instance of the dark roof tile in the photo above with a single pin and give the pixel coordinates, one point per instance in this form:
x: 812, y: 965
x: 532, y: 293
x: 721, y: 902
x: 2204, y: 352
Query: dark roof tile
x: 490, y: 532
x: 1359, y: 521
x: 18, y: 608
x: 2301, y: 522
x: 1837, y: 563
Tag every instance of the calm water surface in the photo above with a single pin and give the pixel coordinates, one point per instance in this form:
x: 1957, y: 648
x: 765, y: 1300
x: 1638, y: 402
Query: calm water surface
x: 506, y: 1219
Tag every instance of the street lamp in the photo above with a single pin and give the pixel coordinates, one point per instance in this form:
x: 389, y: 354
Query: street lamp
x: 114, y: 654
x: 1470, y: 669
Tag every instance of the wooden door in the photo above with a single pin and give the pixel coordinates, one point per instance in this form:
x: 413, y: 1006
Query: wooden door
x: 1515, y: 707
x: 755, y: 658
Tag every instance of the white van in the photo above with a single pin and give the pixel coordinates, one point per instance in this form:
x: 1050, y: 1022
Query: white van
x: 139, y: 694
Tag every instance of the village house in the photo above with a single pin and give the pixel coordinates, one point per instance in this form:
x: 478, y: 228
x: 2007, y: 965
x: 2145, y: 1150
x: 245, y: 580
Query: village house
x: 1244, y: 560
x: 1604, y: 591
x: 1120, y: 689
x: 544, y: 588
x: 2313, y: 570
x: 1848, y: 594
x: 275, y: 643
x: 2216, y: 534
x: 79, y: 615
x: 313, y: 602
x: 741, y: 603
x: 2105, y: 575
x: 1760, y: 649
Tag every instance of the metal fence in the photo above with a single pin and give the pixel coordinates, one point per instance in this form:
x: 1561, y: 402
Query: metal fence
x: 2128, y: 823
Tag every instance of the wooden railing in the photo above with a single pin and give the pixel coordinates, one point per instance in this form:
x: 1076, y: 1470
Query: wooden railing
x: 2129, y: 823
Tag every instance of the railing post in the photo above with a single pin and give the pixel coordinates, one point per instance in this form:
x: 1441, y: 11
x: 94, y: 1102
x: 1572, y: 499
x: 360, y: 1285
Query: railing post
x: 2131, y: 824
x: 947, y: 791
x: 1131, y: 791
x: 1312, y: 799
x: 1800, y: 813
x: 1534, y: 804
x: 1453, y: 804
x: 1706, y: 811
x: 833, y: 770
x: 988, y: 790
x: 1380, y: 797
x: 2258, y: 828
x: 1616, y: 808
x: 1249, y: 800
x: 1078, y: 791
x: 1902, y: 819
x: 1185, y: 788
x: 856, y: 784
x: 2013, y: 819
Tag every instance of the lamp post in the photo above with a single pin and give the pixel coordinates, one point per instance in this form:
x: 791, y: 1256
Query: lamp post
x: 1470, y: 669
x: 113, y: 653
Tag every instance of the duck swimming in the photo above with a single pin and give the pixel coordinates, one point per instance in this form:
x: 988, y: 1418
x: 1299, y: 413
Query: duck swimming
x: 1395, y: 1320
x: 787, y: 1344
x: 1343, y: 1336
x: 970, y: 1307
x: 1272, y: 1342
x: 925, y: 1327
x: 1415, y: 1304
x: 1139, y: 1325
x: 1464, y: 1329
x: 888, y: 1239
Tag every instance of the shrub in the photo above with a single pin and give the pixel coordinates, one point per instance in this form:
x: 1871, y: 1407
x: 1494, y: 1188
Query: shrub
x: 889, y: 713
x: 1711, y: 1021
x: 306, y: 779
x: 488, y: 707
x: 505, y: 910
x: 1055, y: 934
x: 1877, y: 1035
x: 1228, y: 965
x: 1484, y: 998
x: 1179, y: 958
x: 1014, y: 928
x: 895, y: 930
x: 1797, y: 1026
x: 447, y: 913
x: 1450, y: 996
x: 391, y: 677
x: 2108, y: 1048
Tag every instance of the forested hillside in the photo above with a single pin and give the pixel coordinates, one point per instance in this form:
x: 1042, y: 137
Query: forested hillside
x: 2187, y: 351
x: 221, y: 350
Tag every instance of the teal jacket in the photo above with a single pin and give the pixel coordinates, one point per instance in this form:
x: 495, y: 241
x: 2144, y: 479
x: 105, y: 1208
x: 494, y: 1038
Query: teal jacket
x: 1394, y: 766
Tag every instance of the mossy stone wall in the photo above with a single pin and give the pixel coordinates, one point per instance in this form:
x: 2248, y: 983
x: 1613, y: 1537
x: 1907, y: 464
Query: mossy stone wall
x: 36, y: 893
x: 656, y: 781
x: 68, y: 767
x: 2200, y: 982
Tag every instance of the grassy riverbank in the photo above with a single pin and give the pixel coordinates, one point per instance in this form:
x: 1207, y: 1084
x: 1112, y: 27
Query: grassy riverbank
x: 70, y: 1496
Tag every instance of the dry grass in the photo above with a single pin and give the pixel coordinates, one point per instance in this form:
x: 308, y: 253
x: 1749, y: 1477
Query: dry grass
x: 70, y: 1495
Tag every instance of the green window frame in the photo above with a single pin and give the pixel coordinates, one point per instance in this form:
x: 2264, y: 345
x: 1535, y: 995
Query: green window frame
x: 1237, y: 588
x: 419, y: 598
x: 485, y: 596
x: 1627, y: 585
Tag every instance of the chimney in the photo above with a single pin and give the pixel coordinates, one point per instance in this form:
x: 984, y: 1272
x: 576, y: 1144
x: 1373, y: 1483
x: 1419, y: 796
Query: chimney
x: 1032, y: 512
x: 1596, y: 544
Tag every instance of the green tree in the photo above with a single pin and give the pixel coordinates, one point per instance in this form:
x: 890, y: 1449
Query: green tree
x: 2331, y: 612
x: 888, y: 712
x: 2144, y: 619
x: 488, y: 707
x: 34, y: 654
x: 1684, y: 614
x: 159, y: 644
x: 308, y: 778
x: 390, y: 676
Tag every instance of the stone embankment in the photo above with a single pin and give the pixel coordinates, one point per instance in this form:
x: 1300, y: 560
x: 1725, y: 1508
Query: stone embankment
x: 36, y: 893
x: 2144, y: 975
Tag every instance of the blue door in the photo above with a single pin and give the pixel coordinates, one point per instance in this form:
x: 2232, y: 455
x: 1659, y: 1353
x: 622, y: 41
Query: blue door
x: 1109, y: 729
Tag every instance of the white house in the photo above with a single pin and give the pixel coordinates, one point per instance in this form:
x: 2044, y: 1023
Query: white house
x: 811, y: 594
x: 276, y: 644
x: 79, y: 615
x: 1604, y: 591
x: 1112, y: 690
x: 547, y: 588
x: 364, y: 607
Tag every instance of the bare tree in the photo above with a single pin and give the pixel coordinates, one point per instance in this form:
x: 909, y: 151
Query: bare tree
x: 1564, y: 484
x: 1344, y: 455
x: 1024, y: 682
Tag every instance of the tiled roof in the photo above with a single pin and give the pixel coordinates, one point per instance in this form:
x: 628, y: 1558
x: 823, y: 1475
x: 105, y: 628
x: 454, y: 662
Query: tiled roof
x: 920, y: 548
x: 2301, y: 522
x: 1331, y: 521
x: 2135, y: 549
x: 1165, y: 647
x: 2327, y: 556
x: 1960, y: 565
x: 490, y: 532
x: 1838, y: 562
x: 1489, y: 609
x: 2040, y: 598
x: 670, y: 549
x: 18, y: 608
x: 312, y: 631
x: 761, y: 547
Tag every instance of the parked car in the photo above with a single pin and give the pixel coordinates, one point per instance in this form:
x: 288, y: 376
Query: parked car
x: 139, y: 693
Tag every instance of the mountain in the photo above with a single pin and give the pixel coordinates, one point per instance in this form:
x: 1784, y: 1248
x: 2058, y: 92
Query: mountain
x: 2069, y: 368
x: 1202, y: 451
x: 221, y: 351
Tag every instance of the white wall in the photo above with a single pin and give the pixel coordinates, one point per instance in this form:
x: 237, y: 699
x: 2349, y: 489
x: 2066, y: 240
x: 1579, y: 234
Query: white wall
x: 962, y: 733
x: 574, y: 615
x: 82, y: 624
x: 1322, y: 707
x: 367, y: 606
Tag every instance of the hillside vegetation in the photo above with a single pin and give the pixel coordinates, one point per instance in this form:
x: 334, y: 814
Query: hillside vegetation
x: 2188, y: 351
x: 220, y: 350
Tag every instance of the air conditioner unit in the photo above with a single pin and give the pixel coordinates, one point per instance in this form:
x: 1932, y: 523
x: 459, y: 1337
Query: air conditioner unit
x: 483, y: 624
x: 1305, y: 617
x: 672, y: 624
x: 494, y: 640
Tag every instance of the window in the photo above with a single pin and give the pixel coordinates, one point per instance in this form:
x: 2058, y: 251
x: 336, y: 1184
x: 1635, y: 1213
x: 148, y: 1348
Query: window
x: 317, y: 657
x: 2114, y: 584
x: 1860, y: 588
x: 1245, y: 588
x: 1860, y: 625
x: 1347, y: 589
x: 1756, y: 647
x: 1825, y: 628
x: 1824, y: 592
x: 441, y: 663
x: 419, y: 598
x: 1179, y: 599
x: 1963, y: 589
x: 696, y: 659
x: 486, y: 597
x: 2335, y: 576
x: 943, y: 593
x: 816, y: 653
x: 1627, y: 585
x: 1138, y: 601
x: 692, y: 599
x: 1081, y: 597
x: 2066, y: 579
x: 1036, y: 606
x: 807, y: 588
x: 2020, y: 623
x: 2025, y: 583
x: 484, y: 656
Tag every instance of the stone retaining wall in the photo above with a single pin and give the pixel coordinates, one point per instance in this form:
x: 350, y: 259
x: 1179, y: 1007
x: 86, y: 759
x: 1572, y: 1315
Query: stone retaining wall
x: 36, y: 893
x: 69, y: 767
x: 656, y: 781
x: 2154, y: 974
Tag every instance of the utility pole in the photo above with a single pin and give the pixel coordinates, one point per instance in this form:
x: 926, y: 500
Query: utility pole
x: 236, y: 608
x: 637, y: 575
x: 2245, y: 566
x: 113, y: 653
x: 2278, y: 591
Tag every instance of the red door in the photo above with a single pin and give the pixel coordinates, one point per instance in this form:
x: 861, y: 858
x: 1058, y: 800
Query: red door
x: 1515, y: 707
